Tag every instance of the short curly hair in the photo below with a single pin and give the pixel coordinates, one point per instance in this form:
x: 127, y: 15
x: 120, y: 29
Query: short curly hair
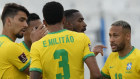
x: 53, y: 12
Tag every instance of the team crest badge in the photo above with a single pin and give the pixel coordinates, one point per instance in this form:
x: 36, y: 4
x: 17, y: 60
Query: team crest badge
x: 129, y: 65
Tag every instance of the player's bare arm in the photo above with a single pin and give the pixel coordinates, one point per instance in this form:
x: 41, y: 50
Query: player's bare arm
x: 26, y: 71
x: 93, y: 67
x: 35, y: 75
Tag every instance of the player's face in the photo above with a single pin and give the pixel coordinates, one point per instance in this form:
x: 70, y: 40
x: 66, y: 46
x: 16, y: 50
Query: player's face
x: 19, y: 24
x: 117, y: 38
x: 78, y: 22
x: 32, y: 24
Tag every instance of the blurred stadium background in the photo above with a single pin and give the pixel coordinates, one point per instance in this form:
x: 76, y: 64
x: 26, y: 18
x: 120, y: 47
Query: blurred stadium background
x: 98, y: 14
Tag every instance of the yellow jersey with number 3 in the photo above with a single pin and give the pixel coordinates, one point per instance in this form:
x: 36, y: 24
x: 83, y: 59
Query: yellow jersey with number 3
x: 61, y: 55
x: 13, y: 59
x: 127, y: 67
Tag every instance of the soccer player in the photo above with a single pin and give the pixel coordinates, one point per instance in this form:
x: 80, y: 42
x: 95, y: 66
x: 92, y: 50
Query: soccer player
x: 123, y: 62
x: 75, y: 22
x: 14, y: 61
x: 61, y: 53
x: 34, y: 23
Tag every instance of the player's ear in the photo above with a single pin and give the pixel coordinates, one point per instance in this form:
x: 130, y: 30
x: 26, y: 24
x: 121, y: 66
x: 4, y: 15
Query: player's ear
x: 69, y: 24
x: 44, y: 22
x: 128, y: 36
x: 64, y: 20
x: 8, y: 21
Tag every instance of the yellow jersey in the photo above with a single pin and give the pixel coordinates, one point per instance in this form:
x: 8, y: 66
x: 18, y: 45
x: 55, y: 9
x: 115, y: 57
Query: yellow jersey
x: 127, y: 67
x: 61, y: 55
x: 13, y: 59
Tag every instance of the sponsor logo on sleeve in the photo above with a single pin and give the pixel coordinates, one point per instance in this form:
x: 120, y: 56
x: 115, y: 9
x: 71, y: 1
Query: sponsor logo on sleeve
x: 22, y: 58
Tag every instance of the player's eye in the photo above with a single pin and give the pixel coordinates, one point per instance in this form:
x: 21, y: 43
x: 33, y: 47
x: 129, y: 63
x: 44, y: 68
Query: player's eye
x: 36, y: 27
x: 80, y: 20
x: 21, y: 19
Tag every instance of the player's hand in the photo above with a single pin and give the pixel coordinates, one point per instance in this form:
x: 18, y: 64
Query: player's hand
x: 38, y: 33
x: 98, y: 49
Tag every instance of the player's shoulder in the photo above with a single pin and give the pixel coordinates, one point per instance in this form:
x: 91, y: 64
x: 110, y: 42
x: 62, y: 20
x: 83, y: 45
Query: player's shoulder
x: 20, y: 44
x: 137, y: 52
x: 78, y: 34
x: 14, y: 45
x: 39, y: 42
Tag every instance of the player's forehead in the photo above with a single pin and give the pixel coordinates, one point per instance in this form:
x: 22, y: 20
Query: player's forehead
x: 77, y: 15
x: 21, y: 14
x: 116, y: 29
x: 35, y: 23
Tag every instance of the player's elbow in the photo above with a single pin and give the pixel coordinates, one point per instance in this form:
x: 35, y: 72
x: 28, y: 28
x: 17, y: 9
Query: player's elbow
x: 96, y: 76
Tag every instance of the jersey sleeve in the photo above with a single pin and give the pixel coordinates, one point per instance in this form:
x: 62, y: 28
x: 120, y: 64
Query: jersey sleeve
x: 18, y: 57
x: 105, y: 69
x: 87, y: 48
x: 35, y: 63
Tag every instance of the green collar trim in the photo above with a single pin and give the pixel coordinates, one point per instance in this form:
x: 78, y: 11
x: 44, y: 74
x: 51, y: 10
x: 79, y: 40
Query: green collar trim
x: 25, y: 46
x: 105, y: 75
x: 127, y: 54
x: 36, y: 69
x: 6, y: 37
x: 58, y: 31
x: 88, y: 55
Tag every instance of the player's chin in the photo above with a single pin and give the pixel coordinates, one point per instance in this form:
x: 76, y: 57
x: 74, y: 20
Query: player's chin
x: 114, y: 50
x: 19, y: 35
x: 83, y: 30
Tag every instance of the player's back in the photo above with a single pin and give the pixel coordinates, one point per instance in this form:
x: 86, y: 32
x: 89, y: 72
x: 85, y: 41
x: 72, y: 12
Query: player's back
x: 7, y: 60
x: 61, y: 55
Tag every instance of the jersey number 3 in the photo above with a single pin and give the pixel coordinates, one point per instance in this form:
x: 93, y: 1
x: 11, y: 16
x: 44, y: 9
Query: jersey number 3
x: 63, y: 63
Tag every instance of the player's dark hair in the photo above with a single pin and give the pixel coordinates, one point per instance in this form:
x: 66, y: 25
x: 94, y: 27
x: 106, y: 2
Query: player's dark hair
x: 123, y: 24
x: 32, y: 17
x: 69, y: 13
x: 53, y: 12
x: 11, y: 9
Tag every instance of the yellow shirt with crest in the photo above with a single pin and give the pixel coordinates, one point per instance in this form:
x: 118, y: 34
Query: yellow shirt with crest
x: 127, y: 67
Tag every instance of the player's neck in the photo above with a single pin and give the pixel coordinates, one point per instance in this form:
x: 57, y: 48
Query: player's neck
x: 55, y: 28
x: 28, y: 43
x: 8, y: 33
x: 125, y: 51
